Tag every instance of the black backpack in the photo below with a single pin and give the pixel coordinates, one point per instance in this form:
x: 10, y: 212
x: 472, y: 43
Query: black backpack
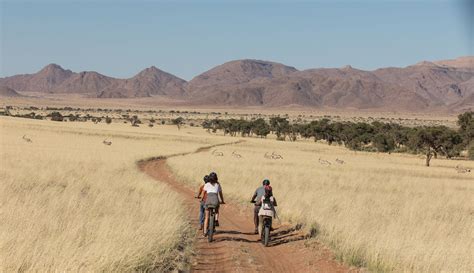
x: 267, y: 203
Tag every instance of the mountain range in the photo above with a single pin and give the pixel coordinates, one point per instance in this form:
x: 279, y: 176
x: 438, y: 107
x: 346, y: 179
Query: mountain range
x: 425, y: 86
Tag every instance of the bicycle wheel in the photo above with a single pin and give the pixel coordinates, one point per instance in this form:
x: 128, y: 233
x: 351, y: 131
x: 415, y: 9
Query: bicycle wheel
x: 210, y: 230
x: 266, y: 236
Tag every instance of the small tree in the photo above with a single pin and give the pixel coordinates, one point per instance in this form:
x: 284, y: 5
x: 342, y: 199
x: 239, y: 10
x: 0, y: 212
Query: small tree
x: 260, y: 127
x: 436, y: 140
x: 108, y: 120
x: 470, y: 152
x: 383, y: 143
x: 56, y: 116
x: 135, y: 121
x: 280, y: 126
x: 7, y: 110
x: 178, y: 122
x: 466, y: 129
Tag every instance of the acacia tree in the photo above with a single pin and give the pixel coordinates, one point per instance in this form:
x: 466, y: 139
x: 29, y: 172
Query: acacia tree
x: 135, y: 121
x: 435, y: 140
x: 56, y: 116
x: 466, y: 129
x: 280, y: 126
x: 260, y: 127
x: 178, y: 122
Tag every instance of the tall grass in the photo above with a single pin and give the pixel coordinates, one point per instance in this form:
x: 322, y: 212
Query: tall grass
x: 70, y: 203
x: 386, y: 212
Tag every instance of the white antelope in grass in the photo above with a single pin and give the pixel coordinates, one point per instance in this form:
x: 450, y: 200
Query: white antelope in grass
x: 27, y: 139
x: 461, y: 169
x: 273, y: 155
x: 276, y: 156
x: 339, y: 161
x: 236, y: 155
x: 217, y: 153
x: 324, y: 162
x: 107, y: 142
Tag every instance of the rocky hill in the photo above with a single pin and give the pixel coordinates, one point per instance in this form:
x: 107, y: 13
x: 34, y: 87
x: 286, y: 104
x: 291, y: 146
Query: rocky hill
x: 439, y: 85
x: 8, y: 92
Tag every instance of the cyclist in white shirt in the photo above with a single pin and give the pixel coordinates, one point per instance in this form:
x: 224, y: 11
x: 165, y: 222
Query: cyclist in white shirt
x: 213, y: 192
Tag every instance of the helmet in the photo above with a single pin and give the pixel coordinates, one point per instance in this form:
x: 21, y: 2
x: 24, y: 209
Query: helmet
x: 206, y: 178
x: 213, y: 177
x: 266, y: 182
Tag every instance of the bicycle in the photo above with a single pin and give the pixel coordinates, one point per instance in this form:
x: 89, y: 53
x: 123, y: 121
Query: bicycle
x: 266, y: 227
x: 211, y: 228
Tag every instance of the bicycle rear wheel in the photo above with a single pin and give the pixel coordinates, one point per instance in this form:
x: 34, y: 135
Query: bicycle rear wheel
x: 210, y: 230
x: 266, y: 237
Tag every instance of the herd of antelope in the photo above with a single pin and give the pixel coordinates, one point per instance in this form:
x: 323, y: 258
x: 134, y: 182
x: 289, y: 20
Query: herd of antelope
x: 321, y: 161
x: 461, y: 169
x: 267, y: 155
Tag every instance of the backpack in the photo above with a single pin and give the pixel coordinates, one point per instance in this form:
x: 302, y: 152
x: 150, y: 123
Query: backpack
x: 267, y: 203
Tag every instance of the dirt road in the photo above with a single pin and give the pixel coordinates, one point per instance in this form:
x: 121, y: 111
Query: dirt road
x: 236, y: 248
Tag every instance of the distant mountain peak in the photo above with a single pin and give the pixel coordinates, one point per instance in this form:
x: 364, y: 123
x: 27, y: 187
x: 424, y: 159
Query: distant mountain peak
x: 425, y: 63
x: 52, y: 67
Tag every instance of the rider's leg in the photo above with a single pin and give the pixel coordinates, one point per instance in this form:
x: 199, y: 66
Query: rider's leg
x: 260, y: 224
x: 206, y: 221
x: 216, y: 217
x: 255, y: 218
x: 201, y: 214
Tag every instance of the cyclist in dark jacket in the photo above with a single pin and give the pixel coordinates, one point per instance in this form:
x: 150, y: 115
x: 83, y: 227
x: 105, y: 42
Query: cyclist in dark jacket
x: 256, y: 198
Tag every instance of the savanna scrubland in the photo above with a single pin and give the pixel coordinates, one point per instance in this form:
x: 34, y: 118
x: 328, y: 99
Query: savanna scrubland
x: 69, y: 202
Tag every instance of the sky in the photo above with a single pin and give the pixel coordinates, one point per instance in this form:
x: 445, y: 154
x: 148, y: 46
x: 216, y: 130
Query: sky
x: 185, y: 38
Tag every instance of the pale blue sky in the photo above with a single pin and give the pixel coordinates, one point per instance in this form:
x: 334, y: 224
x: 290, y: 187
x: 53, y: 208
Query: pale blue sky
x: 185, y: 38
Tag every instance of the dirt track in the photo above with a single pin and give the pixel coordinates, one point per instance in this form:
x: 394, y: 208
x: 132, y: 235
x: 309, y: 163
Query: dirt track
x: 236, y: 248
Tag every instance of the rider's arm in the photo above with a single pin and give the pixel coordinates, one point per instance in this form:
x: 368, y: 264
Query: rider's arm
x: 253, y: 197
x: 220, y: 194
x: 200, y: 191
x: 274, y: 202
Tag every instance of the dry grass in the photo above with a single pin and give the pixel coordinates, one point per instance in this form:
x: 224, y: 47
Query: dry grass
x: 386, y: 212
x: 70, y: 203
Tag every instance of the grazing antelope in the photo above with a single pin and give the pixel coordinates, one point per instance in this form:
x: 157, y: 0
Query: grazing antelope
x: 107, y: 142
x: 339, y: 161
x: 267, y: 156
x: 462, y: 169
x: 276, y: 156
x: 27, y: 139
x: 324, y: 162
x: 236, y: 155
x: 217, y: 153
